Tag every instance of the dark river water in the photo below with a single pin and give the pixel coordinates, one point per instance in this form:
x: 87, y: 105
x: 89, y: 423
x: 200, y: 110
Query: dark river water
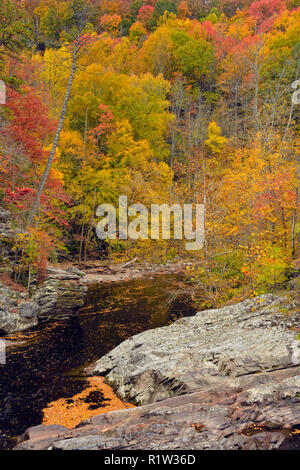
x: 50, y: 364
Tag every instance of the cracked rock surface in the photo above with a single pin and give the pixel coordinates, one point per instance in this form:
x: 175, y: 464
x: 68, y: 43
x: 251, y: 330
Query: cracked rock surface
x: 219, y: 418
x: 60, y: 295
x: 225, y: 379
x: 57, y: 298
x: 253, y: 336
x: 17, y: 312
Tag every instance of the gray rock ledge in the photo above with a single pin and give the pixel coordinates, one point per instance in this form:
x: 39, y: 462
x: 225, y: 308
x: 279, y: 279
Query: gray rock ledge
x: 237, y: 341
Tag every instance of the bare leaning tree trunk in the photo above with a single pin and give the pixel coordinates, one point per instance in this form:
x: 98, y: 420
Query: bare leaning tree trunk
x: 57, y: 135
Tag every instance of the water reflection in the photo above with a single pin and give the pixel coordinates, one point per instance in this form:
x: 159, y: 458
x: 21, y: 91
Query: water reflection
x: 50, y: 364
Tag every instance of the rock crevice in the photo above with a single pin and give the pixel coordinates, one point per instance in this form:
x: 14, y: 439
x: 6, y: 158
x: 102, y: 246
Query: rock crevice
x: 251, y: 337
x: 60, y: 295
x: 225, y: 379
x: 56, y: 298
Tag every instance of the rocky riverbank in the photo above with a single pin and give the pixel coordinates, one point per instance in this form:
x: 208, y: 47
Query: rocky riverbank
x: 97, y: 272
x: 17, y: 311
x: 238, y: 341
x: 63, y: 291
x: 227, y: 378
x: 58, y: 297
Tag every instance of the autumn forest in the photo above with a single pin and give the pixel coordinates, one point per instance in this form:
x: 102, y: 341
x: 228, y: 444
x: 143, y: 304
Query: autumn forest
x: 164, y: 101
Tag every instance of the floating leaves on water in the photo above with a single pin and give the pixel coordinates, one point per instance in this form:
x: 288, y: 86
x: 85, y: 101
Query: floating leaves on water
x: 93, y: 400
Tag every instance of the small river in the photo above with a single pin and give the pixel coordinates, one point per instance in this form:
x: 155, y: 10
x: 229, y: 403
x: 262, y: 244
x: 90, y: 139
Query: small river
x: 50, y: 363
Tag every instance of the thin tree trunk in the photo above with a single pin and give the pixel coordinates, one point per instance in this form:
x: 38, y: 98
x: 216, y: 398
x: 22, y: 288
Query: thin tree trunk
x: 92, y: 223
x: 82, y: 234
x: 205, y: 247
x: 36, y: 30
x: 85, y: 131
x: 256, y: 91
x: 294, y: 219
x: 57, y: 135
x: 289, y: 119
x: 29, y: 278
x: 284, y: 228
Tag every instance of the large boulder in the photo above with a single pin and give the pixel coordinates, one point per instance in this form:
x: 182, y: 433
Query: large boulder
x: 57, y: 298
x: 225, y: 379
x: 237, y: 341
x: 17, y: 312
x: 264, y: 415
x: 60, y: 295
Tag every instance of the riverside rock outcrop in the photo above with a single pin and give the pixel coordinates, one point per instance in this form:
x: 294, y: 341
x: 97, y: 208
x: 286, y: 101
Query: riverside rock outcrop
x: 60, y: 295
x: 17, y: 311
x: 217, y: 418
x: 57, y: 298
x: 227, y: 378
x: 236, y: 341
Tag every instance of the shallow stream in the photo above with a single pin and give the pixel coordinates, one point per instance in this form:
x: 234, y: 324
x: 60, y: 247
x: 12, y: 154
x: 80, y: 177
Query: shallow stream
x: 50, y: 363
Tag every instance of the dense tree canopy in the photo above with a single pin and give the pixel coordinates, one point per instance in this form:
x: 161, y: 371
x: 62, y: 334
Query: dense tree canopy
x: 172, y: 101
